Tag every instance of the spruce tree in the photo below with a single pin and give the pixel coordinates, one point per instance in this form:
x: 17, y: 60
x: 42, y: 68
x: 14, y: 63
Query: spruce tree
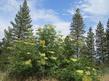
x: 22, y: 27
x: 77, y: 31
x: 8, y: 36
x: 100, y: 43
x: 90, y: 44
x: 107, y: 40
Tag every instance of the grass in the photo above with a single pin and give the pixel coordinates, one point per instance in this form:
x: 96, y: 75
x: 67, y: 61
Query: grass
x: 105, y: 76
x: 2, y: 75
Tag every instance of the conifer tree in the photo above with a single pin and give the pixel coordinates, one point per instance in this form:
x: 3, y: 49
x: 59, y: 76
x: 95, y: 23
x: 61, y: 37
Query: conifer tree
x: 100, y: 43
x: 8, y: 36
x: 107, y: 40
x: 22, y: 27
x: 77, y: 31
x: 90, y: 44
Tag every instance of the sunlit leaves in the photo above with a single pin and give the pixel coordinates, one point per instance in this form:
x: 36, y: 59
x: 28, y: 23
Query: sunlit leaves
x: 86, y: 78
x: 28, y: 62
x: 42, y: 43
x: 74, y: 59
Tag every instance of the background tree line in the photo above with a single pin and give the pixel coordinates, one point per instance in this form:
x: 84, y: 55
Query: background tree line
x: 47, y: 54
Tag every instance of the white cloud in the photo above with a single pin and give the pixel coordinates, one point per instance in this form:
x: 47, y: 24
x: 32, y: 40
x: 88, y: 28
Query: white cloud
x: 51, y: 17
x: 45, y: 15
x: 96, y: 7
x: 96, y: 10
x: 10, y: 6
x: 63, y: 27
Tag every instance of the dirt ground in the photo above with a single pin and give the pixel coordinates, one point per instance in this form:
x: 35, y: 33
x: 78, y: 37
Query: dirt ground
x: 105, y: 77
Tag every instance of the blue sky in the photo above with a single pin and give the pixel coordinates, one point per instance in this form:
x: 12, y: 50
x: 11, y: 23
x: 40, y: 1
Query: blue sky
x: 56, y: 12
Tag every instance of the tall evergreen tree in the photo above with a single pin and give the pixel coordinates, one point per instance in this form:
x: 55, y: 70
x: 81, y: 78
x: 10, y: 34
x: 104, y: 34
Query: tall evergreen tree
x: 22, y: 27
x: 107, y: 40
x: 100, y: 43
x: 77, y: 30
x: 90, y: 44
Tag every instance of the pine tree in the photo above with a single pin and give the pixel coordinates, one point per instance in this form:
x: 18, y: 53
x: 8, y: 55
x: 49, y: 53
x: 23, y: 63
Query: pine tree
x: 100, y: 43
x: 107, y: 40
x: 90, y: 44
x: 22, y: 27
x: 77, y: 30
x: 8, y: 36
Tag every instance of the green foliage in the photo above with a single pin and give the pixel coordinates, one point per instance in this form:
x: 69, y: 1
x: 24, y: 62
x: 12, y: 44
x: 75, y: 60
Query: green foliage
x: 23, y: 54
x: 49, y: 48
x: 75, y: 70
x: 68, y: 47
